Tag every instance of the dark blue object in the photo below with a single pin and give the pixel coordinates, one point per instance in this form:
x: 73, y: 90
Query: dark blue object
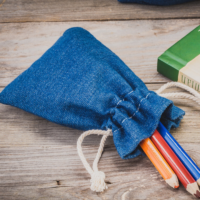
x: 156, y: 2
x: 179, y: 151
x: 80, y: 83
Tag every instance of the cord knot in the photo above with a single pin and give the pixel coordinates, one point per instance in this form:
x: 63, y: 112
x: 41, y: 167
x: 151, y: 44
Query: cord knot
x: 98, y: 181
x: 97, y: 177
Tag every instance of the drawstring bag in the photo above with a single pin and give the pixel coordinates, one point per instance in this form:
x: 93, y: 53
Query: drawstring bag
x: 156, y: 2
x: 80, y: 83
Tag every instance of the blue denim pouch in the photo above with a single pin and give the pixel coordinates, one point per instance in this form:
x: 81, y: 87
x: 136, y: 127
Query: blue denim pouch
x: 156, y: 2
x: 80, y: 83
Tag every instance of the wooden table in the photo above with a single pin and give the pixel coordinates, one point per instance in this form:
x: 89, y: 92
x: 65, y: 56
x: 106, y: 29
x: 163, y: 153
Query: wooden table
x: 38, y: 159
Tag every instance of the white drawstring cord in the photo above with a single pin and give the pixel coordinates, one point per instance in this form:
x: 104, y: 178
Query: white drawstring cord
x: 180, y: 85
x: 195, y: 96
x: 98, y: 177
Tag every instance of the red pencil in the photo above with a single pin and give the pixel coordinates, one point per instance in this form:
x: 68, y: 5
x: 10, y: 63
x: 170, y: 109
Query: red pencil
x: 184, y: 176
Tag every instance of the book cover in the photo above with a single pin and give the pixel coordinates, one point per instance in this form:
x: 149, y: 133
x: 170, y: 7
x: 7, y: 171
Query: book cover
x: 181, y: 62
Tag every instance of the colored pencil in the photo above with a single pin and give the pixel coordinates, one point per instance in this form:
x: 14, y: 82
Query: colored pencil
x: 183, y: 174
x: 160, y: 163
x: 179, y: 151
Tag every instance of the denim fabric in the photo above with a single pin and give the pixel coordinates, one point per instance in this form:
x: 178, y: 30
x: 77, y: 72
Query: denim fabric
x: 155, y: 2
x: 80, y: 83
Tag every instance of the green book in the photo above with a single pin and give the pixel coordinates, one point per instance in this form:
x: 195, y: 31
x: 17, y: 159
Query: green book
x: 181, y: 62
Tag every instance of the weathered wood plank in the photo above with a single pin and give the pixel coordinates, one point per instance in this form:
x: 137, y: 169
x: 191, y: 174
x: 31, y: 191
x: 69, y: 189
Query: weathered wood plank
x: 61, y: 10
x: 137, y: 43
x: 55, y: 172
x: 38, y: 159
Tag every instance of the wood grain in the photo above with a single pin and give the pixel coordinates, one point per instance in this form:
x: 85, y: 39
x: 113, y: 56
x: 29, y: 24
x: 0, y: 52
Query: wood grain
x: 70, y: 10
x: 38, y: 159
x: 137, y: 43
x: 55, y: 172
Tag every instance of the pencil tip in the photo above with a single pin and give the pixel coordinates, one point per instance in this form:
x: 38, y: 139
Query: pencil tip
x: 193, y: 189
x: 173, y: 181
x: 197, y: 194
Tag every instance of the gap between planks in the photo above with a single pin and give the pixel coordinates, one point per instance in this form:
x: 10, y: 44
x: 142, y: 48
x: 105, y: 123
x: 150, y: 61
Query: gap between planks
x: 81, y: 10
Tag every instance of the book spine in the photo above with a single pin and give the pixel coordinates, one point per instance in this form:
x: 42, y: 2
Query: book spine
x: 190, y: 74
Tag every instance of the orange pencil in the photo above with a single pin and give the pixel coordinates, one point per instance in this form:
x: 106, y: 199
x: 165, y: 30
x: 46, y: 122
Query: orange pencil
x: 160, y: 163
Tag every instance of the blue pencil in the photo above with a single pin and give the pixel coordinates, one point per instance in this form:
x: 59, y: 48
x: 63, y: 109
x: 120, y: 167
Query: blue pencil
x: 179, y: 151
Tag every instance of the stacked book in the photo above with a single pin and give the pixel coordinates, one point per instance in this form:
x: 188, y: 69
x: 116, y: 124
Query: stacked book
x: 181, y: 62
